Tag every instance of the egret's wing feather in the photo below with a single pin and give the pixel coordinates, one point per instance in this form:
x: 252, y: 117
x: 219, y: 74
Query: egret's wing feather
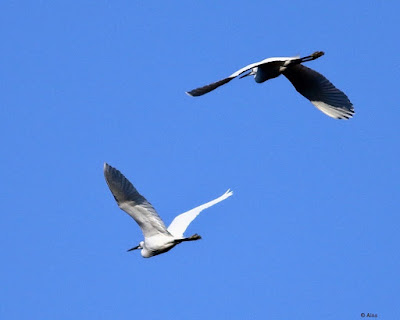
x: 210, y: 87
x: 207, y: 88
x: 256, y: 64
x: 181, y: 222
x: 320, y: 91
x: 133, y: 203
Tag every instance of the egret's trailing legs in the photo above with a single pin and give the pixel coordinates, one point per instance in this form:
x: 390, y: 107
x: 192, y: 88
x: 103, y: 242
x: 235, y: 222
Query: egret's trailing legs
x: 311, y: 57
x: 191, y: 238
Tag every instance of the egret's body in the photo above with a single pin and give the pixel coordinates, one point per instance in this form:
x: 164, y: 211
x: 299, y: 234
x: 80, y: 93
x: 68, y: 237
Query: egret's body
x: 157, y: 237
x: 309, y: 83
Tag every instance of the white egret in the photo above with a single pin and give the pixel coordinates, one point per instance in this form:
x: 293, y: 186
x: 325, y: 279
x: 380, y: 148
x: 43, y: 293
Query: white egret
x: 157, y: 238
x: 309, y: 83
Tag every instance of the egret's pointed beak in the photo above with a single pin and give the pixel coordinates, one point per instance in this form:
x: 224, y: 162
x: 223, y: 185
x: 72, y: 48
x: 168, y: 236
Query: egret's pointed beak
x: 245, y: 75
x: 134, y: 248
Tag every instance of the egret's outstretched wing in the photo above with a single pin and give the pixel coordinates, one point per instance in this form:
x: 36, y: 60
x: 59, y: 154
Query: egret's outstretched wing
x: 320, y: 91
x: 181, y: 222
x: 210, y: 87
x: 133, y: 203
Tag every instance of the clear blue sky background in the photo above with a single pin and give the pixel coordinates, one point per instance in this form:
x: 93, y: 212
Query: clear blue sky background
x: 312, y: 231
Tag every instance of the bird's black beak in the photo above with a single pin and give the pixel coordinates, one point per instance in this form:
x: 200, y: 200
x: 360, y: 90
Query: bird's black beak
x: 134, y: 248
x: 245, y: 75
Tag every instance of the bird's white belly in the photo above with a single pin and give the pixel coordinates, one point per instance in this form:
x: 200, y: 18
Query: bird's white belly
x: 157, y: 244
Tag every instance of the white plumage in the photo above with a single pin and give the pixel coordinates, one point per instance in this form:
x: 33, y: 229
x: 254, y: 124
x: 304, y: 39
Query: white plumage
x: 309, y: 83
x: 157, y: 238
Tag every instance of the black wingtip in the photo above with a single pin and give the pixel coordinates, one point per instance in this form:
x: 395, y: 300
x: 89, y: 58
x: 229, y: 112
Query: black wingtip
x: 207, y: 88
x: 195, y: 92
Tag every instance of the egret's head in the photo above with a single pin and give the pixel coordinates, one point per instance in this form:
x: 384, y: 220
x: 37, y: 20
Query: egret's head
x: 252, y: 72
x: 140, y: 246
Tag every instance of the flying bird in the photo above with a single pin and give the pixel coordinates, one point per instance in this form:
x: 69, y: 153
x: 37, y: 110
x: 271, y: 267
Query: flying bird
x: 157, y: 238
x: 309, y: 83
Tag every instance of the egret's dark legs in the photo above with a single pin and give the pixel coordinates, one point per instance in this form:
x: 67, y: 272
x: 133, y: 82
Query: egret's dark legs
x: 192, y: 238
x: 311, y: 57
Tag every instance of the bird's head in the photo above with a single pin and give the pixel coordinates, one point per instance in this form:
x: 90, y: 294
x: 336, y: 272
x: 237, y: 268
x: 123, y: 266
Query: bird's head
x: 144, y: 252
x: 252, y: 72
x: 140, y: 246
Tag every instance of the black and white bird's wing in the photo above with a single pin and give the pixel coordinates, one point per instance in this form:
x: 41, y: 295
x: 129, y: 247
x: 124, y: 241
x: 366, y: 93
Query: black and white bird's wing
x: 260, y: 63
x: 207, y: 88
x: 133, y: 203
x: 210, y: 87
x: 181, y: 222
x: 320, y: 91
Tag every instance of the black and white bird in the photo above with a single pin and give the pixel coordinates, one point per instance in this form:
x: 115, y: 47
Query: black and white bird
x: 157, y: 238
x: 309, y: 83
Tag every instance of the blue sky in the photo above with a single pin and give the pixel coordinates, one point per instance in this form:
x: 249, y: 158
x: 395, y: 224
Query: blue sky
x: 312, y: 229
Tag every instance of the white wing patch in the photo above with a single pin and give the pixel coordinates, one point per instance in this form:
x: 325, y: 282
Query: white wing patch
x: 256, y: 64
x: 334, y: 112
x: 181, y: 222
